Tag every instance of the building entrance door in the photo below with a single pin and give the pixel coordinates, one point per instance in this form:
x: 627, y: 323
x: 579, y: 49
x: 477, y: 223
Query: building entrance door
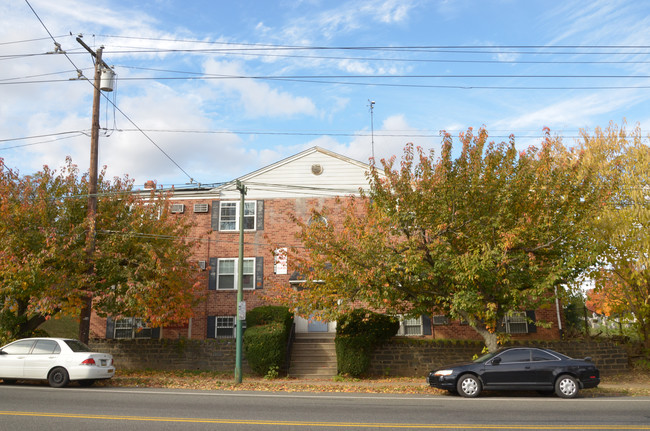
x: 316, y: 326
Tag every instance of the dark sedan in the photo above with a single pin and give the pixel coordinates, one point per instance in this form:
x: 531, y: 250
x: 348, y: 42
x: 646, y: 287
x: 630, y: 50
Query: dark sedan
x: 518, y: 368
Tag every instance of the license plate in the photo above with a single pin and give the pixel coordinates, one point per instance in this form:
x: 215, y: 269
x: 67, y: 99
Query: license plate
x: 103, y: 362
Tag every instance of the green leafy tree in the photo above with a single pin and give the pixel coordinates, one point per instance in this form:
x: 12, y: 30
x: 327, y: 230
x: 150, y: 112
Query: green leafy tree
x: 623, y: 276
x: 140, y: 265
x: 476, y: 237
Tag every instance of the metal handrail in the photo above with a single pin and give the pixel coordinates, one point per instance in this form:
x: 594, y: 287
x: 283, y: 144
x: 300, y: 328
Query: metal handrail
x: 290, y: 340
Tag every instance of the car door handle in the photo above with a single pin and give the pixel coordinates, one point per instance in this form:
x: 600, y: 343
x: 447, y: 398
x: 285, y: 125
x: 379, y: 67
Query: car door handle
x: 528, y: 368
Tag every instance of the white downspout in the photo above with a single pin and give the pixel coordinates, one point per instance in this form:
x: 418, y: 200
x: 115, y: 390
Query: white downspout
x: 557, y: 310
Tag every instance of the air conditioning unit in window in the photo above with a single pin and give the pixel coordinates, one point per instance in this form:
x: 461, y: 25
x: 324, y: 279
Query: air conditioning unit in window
x: 200, y: 208
x: 178, y: 208
x: 440, y: 319
x: 202, y: 265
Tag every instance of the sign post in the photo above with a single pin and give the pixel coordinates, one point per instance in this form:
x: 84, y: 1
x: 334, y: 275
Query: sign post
x: 241, y: 305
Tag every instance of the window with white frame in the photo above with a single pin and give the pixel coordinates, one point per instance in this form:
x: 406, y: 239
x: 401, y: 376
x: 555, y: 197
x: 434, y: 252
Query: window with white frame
x: 410, y: 327
x: 516, y: 323
x: 229, y: 216
x: 227, y: 274
x: 132, y: 327
x: 225, y: 327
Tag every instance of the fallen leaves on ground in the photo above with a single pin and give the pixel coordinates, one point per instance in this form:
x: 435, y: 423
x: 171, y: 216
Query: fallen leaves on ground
x: 633, y: 383
x: 225, y: 381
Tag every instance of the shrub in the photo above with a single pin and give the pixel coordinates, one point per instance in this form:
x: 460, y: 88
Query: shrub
x: 265, y: 339
x: 268, y: 314
x: 353, y: 355
x: 358, y: 333
x: 264, y: 346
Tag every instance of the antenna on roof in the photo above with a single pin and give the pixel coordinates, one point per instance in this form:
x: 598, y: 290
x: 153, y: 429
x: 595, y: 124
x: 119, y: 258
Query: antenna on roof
x: 372, y: 130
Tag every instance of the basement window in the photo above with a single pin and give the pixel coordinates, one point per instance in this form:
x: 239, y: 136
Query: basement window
x: 132, y: 327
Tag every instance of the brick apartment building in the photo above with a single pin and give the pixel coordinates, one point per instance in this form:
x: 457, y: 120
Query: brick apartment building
x: 293, y: 186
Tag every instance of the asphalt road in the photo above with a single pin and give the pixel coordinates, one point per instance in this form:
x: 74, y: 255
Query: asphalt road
x: 38, y: 407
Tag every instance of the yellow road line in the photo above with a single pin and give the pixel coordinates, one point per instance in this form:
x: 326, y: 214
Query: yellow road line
x: 326, y: 424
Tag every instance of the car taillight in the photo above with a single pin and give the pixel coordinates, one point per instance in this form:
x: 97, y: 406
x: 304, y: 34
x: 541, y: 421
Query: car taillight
x: 89, y: 361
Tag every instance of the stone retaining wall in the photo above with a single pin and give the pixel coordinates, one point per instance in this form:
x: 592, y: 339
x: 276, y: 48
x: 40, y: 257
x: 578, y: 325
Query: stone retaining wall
x: 183, y: 354
x: 400, y: 357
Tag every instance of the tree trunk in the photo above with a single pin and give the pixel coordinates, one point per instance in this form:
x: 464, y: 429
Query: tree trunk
x: 490, y: 338
x: 26, y: 328
x: 645, y: 333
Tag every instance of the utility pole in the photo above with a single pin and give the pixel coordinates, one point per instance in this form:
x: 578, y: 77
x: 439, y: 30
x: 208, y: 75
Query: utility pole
x: 84, y: 317
x: 241, y: 305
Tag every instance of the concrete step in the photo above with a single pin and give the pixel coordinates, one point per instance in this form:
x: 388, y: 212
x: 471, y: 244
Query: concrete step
x: 315, y: 336
x: 313, y: 356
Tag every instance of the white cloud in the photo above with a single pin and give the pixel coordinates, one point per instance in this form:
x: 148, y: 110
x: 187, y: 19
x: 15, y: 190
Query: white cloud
x: 349, y: 17
x: 569, y: 113
x: 389, y: 11
x: 389, y: 140
x: 602, y: 22
x: 205, y: 157
x: 96, y: 15
x: 259, y: 99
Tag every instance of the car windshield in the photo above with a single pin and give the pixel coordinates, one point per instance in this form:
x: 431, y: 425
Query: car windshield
x: 485, y: 357
x: 77, y: 346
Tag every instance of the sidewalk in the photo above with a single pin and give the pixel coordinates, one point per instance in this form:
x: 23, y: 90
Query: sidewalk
x: 632, y: 384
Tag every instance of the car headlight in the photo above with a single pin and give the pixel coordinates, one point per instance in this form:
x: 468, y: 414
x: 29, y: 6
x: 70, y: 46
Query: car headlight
x: 443, y: 372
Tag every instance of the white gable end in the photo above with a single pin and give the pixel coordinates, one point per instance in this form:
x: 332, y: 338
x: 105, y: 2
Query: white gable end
x: 315, y: 172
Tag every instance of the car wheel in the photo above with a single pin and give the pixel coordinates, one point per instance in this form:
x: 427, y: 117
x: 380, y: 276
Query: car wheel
x: 468, y: 386
x: 86, y: 383
x: 58, y: 378
x: 566, y: 387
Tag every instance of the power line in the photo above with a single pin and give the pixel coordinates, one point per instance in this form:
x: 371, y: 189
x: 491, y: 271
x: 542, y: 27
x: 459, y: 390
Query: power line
x: 521, y: 134
x: 30, y: 40
x: 74, y: 135
x: 376, y: 76
x: 307, y: 78
x: 57, y: 46
x: 429, y: 60
x: 385, y: 134
x: 44, y: 135
x: 41, y: 74
x: 384, y: 84
x: 59, y: 50
x: 461, y: 48
x: 376, y: 59
x: 375, y: 49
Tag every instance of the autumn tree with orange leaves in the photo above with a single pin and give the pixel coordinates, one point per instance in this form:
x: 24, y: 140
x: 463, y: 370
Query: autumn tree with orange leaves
x: 141, y: 264
x: 475, y: 237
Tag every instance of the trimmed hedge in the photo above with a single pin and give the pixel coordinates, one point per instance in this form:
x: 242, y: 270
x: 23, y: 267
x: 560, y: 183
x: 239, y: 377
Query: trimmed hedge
x: 265, y: 347
x: 358, y: 333
x: 268, y: 314
x: 265, y: 338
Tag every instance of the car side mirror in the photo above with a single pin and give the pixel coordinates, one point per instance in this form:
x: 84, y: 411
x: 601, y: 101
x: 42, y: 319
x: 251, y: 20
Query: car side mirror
x: 2, y: 352
x: 588, y: 359
x: 496, y: 361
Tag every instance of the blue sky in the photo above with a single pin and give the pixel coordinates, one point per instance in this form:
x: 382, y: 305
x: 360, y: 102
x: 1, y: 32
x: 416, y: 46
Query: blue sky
x: 224, y: 88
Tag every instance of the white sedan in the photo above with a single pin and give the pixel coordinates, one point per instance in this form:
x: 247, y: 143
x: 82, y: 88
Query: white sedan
x: 57, y: 360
